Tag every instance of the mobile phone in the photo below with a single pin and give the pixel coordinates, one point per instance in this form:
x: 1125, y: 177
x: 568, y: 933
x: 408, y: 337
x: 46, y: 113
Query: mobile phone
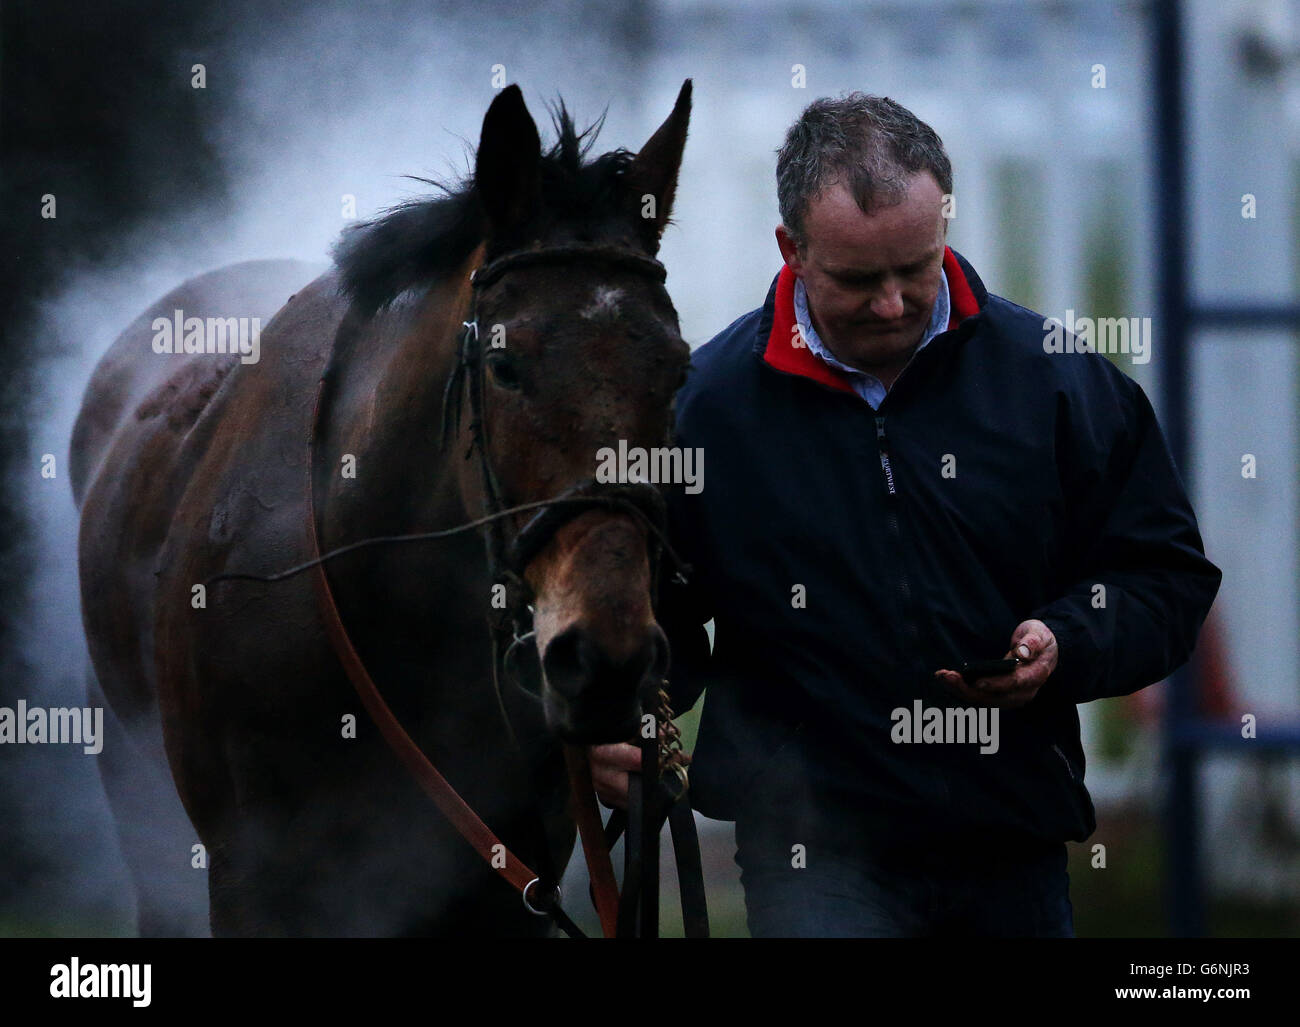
x: 972, y: 670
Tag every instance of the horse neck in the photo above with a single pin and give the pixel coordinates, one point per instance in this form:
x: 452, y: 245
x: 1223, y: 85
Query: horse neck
x: 386, y: 412
x: 411, y: 605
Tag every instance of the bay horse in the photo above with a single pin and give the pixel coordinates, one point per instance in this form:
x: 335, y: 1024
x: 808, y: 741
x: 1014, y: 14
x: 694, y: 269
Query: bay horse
x: 188, y: 466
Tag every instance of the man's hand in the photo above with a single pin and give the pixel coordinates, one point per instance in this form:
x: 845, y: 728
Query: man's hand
x: 1035, y: 645
x: 610, y: 765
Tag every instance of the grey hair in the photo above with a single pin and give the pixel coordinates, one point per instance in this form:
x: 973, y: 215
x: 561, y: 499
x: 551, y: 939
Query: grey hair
x: 871, y: 143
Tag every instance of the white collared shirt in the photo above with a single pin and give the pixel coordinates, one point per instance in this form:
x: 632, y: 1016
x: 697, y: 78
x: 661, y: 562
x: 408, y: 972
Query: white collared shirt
x: 868, y: 386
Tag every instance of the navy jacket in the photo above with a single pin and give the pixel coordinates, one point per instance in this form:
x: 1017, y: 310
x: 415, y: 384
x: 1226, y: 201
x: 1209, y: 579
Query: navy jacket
x: 1062, y: 482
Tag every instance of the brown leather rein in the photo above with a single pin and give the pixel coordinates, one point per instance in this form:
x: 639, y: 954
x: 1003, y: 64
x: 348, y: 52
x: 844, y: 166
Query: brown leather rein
x: 626, y: 916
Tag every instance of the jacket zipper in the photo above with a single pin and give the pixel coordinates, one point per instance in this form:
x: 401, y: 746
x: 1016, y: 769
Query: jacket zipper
x: 911, y: 633
x: 896, y: 534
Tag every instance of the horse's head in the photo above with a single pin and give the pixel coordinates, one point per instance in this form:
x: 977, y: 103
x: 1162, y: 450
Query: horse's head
x: 580, y: 352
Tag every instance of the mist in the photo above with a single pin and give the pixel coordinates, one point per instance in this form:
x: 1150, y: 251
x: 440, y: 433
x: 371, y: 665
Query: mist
x: 309, y: 117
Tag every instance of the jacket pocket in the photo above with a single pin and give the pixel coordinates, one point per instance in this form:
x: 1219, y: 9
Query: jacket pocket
x: 760, y: 782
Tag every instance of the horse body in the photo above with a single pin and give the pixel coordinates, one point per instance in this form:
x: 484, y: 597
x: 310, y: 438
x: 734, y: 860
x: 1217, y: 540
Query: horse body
x: 134, y: 452
x: 186, y: 467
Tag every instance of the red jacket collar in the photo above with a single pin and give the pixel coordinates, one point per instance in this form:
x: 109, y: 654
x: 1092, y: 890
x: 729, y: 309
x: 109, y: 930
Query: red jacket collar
x: 782, y: 353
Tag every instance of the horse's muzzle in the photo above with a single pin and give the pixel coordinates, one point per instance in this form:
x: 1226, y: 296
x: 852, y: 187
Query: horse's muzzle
x: 590, y: 698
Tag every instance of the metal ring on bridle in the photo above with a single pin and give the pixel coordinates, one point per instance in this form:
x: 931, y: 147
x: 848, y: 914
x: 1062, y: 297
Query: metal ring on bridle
x: 555, y: 893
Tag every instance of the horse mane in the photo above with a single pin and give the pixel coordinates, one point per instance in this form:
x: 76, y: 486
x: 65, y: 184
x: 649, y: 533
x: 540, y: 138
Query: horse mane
x: 422, y: 241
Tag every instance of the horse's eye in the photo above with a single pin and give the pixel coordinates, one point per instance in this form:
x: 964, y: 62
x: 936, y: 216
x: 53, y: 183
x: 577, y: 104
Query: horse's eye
x: 504, y: 372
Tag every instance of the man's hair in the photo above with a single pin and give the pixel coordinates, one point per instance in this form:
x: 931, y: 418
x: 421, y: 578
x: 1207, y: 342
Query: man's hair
x: 871, y: 143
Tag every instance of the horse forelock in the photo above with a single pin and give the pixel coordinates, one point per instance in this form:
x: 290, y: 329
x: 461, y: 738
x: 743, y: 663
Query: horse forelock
x: 417, y: 243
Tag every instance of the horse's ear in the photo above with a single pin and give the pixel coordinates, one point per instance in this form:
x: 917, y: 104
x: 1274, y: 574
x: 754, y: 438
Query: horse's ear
x: 506, y: 172
x: 652, y: 174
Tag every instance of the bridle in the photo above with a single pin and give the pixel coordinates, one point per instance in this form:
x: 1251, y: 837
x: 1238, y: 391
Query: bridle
x: 662, y: 760
x: 659, y: 792
x: 508, y: 558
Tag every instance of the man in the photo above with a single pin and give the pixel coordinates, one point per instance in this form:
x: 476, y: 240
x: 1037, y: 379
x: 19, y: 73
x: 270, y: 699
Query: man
x: 904, y: 477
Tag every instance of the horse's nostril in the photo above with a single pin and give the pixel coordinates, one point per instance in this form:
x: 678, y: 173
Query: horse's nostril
x: 567, y: 663
x: 575, y: 665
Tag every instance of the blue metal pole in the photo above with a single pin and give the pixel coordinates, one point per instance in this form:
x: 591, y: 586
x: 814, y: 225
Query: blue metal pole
x: 1184, y: 881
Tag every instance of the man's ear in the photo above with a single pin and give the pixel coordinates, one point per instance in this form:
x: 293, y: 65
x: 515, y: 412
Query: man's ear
x: 789, y: 250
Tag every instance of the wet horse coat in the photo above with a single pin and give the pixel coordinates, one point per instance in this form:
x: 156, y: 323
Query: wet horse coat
x: 187, y: 466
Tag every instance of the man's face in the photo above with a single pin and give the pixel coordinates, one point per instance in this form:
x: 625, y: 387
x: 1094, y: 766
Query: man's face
x: 871, y: 279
